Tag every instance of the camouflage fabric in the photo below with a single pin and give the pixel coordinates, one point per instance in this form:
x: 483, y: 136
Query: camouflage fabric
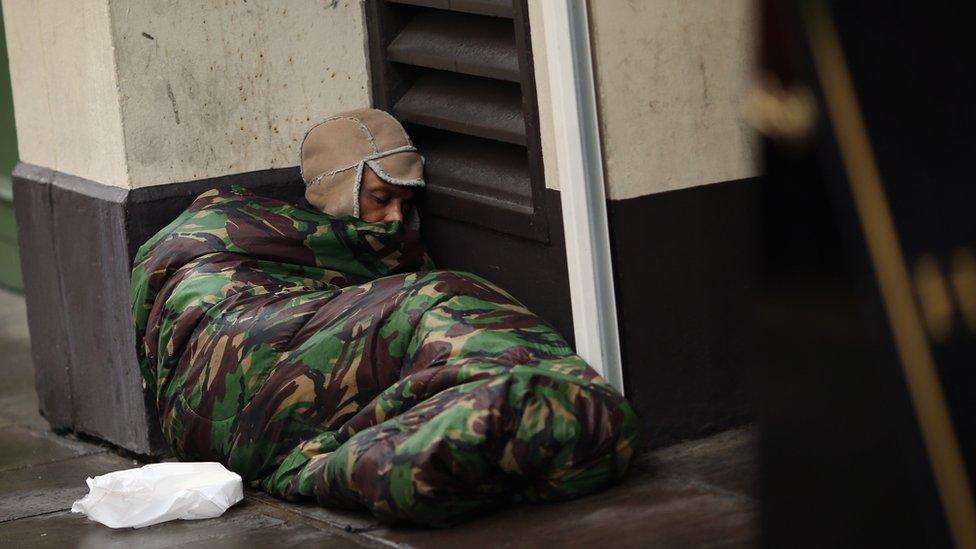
x: 321, y: 358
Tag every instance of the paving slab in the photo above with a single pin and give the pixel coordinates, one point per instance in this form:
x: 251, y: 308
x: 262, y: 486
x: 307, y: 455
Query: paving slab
x: 20, y: 447
x: 15, y: 344
x: 280, y: 537
x: 349, y: 521
x: 726, y: 461
x: 50, y: 487
x: 18, y: 401
x: 16, y: 360
x: 67, y: 529
x: 21, y: 410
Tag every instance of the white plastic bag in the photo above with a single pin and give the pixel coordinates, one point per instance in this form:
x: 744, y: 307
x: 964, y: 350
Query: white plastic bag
x: 160, y: 492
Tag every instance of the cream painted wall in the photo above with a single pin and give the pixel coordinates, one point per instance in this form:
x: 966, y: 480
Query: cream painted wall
x: 671, y: 77
x: 232, y: 86
x: 64, y: 87
x: 537, y: 30
x: 134, y: 93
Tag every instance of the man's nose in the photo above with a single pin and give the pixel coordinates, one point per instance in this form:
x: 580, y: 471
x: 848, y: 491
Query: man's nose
x: 394, y: 213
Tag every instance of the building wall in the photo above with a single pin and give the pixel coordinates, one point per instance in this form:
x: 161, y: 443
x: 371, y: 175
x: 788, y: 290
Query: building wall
x: 133, y: 93
x: 681, y: 177
x: 133, y: 96
x: 671, y: 77
x: 212, y: 88
x: 64, y: 87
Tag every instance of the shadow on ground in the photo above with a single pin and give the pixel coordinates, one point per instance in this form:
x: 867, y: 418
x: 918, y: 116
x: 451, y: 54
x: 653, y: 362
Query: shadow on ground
x: 689, y: 495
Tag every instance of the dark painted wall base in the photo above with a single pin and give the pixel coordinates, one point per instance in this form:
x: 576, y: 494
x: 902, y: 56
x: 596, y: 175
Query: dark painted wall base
x: 683, y: 266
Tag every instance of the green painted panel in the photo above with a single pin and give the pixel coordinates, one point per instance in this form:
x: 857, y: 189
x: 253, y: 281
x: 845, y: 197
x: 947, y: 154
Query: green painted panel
x: 9, y: 258
x: 8, y: 228
x: 10, y: 267
x: 8, y: 130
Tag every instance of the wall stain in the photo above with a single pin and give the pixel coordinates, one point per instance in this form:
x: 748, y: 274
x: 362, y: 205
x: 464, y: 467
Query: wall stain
x: 172, y: 100
x: 704, y: 76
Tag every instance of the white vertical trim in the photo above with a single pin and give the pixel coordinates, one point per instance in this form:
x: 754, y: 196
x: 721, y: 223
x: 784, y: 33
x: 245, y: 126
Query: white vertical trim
x: 580, y: 161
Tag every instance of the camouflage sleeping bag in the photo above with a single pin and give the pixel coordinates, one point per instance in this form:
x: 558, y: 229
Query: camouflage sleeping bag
x: 321, y: 358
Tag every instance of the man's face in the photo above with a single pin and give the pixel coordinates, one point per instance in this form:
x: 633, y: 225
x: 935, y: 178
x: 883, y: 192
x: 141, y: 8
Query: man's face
x: 382, y: 201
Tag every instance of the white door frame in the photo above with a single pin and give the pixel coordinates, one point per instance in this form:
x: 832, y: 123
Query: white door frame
x: 580, y: 162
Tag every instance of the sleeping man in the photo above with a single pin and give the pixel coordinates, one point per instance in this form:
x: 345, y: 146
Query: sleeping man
x: 318, y: 354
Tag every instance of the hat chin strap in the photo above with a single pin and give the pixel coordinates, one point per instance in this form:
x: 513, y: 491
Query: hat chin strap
x: 357, y: 187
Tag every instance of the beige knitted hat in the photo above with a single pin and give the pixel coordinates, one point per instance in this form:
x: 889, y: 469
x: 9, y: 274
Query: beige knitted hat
x: 335, y: 153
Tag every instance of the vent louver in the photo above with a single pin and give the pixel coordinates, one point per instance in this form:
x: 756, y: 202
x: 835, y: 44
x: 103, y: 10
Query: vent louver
x: 458, y: 74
